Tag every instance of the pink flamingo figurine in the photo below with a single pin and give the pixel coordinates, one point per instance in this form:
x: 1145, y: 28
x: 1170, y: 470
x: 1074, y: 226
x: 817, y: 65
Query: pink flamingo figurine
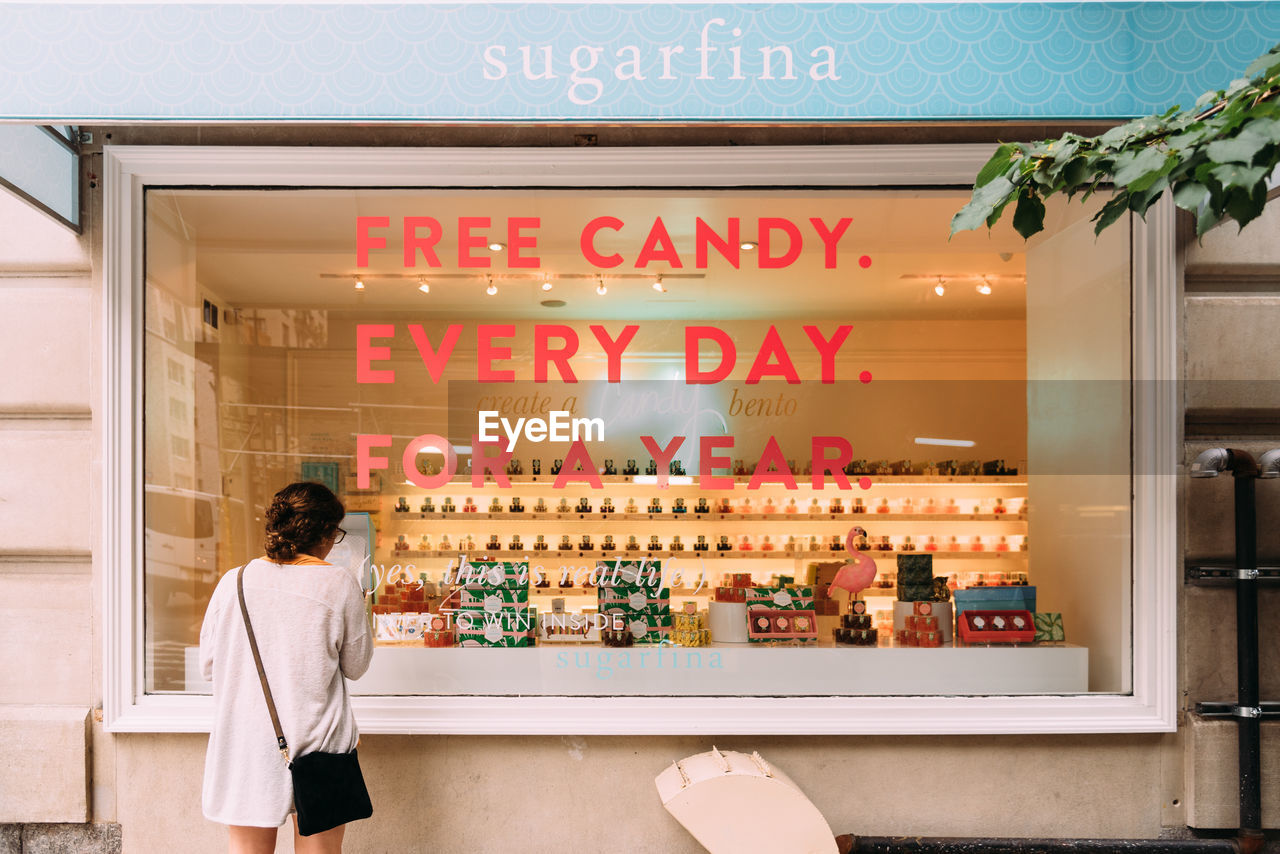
x: 859, y: 571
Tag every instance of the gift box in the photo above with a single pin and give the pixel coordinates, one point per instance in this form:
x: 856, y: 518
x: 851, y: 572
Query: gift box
x: 781, y: 624
x: 794, y: 598
x: 635, y: 600
x: 507, y: 628
x: 991, y: 626
x: 994, y: 599
x: 690, y: 637
x: 1049, y: 627
x: 689, y: 622
x: 644, y: 628
x: 493, y: 574
x: 491, y: 599
x: 915, y: 569
x: 441, y: 638
x: 629, y: 575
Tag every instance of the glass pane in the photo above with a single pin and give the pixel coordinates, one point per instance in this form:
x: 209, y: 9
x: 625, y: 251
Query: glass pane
x: 39, y: 166
x: 836, y: 372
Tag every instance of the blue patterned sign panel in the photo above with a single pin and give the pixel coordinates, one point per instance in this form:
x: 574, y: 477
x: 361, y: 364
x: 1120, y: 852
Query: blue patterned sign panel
x: 775, y: 62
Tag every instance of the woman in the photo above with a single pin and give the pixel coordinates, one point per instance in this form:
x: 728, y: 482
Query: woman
x: 309, y: 620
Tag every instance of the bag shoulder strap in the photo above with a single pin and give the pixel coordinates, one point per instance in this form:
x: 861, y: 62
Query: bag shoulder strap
x: 262, y: 674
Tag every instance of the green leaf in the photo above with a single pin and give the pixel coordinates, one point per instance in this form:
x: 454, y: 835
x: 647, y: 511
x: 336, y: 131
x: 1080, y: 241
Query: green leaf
x: 1232, y: 176
x: 982, y: 205
x: 1111, y: 212
x: 1190, y: 196
x: 1139, y: 202
x: 1239, y: 149
x: 1208, y: 98
x: 1132, y: 165
x: 1244, y: 205
x: 997, y: 165
x: 1075, y: 173
x: 1263, y: 63
x: 1028, y: 216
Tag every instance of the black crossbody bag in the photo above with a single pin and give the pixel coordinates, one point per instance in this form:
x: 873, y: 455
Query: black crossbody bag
x: 328, y: 788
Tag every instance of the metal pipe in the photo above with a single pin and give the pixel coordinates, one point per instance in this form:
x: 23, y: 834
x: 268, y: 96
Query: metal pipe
x: 1249, y: 711
x: 944, y: 845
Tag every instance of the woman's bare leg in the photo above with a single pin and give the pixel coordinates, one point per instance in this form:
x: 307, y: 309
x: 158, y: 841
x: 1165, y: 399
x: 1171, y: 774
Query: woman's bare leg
x: 252, y: 840
x: 329, y: 842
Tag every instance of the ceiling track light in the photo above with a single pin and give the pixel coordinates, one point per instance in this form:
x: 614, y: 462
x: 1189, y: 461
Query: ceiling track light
x: 359, y: 283
x: 423, y: 286
x: 941, y: 287
x: 600, y: 288
x: 657, y: 284
x: 546, y: 281
x: 492, y: 289
x: 985, y: 287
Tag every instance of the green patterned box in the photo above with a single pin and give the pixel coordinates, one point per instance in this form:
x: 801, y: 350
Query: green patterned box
x: 506, y: 628
x: 647, y: 628
x: 634, y: 600
x: 1049, y: 626
x: 511, y: 575
x: 630, y: 575
x: 476, y: 598
x: 787, y: 598
x: 915, y: 578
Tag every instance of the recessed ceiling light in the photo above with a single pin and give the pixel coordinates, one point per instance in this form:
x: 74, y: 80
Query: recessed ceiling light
x: 553, y: 303
x: 985, y: 287
x: 495, y: 246
x: 546, y: 281
x: 600, y: 288
x: 940, y: 288
x: 657, y: 284
x: 747, y: 245
x: 423, y: 286
x: 359, y: 284
x: 492, y: 289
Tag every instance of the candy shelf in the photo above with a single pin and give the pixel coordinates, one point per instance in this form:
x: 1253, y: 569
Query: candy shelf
x: 802, y: 480
x: 852, y: 518
x: 689, y: 553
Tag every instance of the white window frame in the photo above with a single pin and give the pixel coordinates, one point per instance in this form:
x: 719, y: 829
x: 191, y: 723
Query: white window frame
x: 128, y: 170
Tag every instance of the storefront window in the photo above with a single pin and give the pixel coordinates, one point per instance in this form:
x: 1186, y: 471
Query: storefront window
x: 759, y: 381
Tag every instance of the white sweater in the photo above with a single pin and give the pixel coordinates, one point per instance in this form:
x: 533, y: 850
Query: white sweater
x: 312, y: 631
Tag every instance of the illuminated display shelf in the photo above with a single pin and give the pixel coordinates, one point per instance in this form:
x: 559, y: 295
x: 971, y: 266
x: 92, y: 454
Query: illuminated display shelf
x: 802, y: 481
x: 503, y: 554
x: 873, y: 518
x: 868, y: 593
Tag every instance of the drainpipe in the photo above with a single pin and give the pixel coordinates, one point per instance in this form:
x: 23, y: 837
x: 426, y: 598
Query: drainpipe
x: 1248, y: 709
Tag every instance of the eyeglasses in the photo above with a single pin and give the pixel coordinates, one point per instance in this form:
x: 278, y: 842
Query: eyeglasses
x: 341, y: 535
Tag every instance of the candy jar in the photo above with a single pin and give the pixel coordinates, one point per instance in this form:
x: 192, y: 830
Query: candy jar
x: 814, y: 545
x: 606, y: 506
x: 515, y: 545
x: 975, y: 544
x: 402, y: 505
x: 585, y: 543
x: 679, y: 506
x: 836, y: 543
x: 767, y: 545
x: 1003, y: 545
x: 884, y: 545
x: 907, y: 506
x: 932, y: 544
x: 495, y: 506
x: 563, y: 506
x: 427, y: 506
x: 768, y: 506
x: 652, y: 468
x: 744, y: 543
x: 493, y: 544
x: 608, y: 544
x: 631, y: 506
x: 540, y: 506
x: 744, y: 506
x: 1022, y: 546
x: 556, y: 466
x: 702, y: 506
x: 447, y: 506
x: 632, y: 545
x: 565, y: 544
x: 999, y: 508
x: 862, y: 544
x: 469, y: 506
x: 883, y: 506
x: 516, y: 505
x: 631, y: 468
x: 791, y: 507
x: 930, y: 506
x: 536, y: 466
x: 654, y: 544
x: 540, y: 544
x: 907, y: 545
x: 723, y: 544
x: 676, y: 545
x: 836, y: 506
x: 401, y: 544
x: 445, y: 545
x: 584, y: 506
x: 790, y: 545
x: 424, y: 544
x: 725, y: 506
x: 814, y: 506
x: 858, y: 506
x: 739, y: 469
x: 609, y: 468
x: 701, y: 545
x: 951, y: 506
x: 655, y: 506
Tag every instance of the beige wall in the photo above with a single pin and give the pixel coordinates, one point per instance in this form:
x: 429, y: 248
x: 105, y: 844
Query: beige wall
x: 554, y: 792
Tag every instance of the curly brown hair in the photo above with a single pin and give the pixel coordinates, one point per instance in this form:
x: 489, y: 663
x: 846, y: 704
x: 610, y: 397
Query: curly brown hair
x: 301, y: 516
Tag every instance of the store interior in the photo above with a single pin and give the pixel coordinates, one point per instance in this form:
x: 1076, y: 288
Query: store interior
x: 982, y: 392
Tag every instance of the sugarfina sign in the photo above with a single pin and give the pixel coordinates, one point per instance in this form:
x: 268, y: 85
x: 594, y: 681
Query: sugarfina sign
x: 589, y: 68
x: 573, y: 62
